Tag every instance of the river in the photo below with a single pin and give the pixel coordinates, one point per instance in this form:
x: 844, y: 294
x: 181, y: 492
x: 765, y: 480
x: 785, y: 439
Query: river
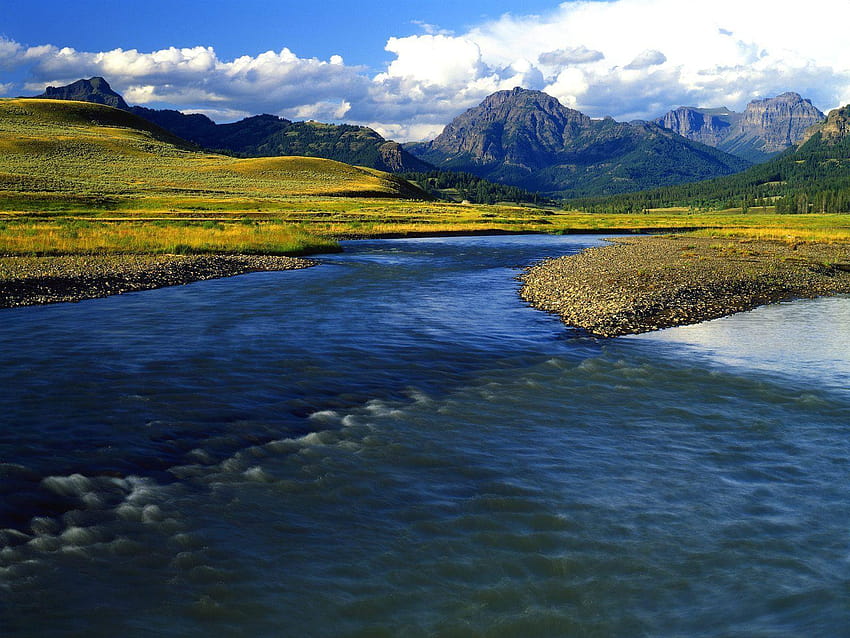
x: 393, y: 444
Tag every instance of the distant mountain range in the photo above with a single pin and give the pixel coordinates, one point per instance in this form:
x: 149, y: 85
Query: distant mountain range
x: 260, y: 135
x: 521, y: 138
x: 529, y: 139
x: 765, y: 128
x: 813, y: 177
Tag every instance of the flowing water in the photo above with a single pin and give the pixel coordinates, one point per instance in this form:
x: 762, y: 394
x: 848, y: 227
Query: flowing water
x: 392, y: 444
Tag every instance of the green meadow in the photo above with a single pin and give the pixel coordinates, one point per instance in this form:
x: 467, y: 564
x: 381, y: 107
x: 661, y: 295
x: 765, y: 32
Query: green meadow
x: 78, y: 178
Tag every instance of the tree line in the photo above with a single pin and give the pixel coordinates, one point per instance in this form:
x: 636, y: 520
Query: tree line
x: 472, y: 188
x: 814, y: 178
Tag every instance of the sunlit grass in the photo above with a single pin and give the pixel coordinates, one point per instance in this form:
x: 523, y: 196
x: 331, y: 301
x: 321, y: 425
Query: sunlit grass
x: 40, y: 238
x: 783, y: 234
x: 82, y: 178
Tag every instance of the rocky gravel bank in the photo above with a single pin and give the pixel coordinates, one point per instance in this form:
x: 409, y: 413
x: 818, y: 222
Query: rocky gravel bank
x: 26, y: 281
x: 641, y: 284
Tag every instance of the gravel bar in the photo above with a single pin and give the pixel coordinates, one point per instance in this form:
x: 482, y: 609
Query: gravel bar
x: 640, y: 284
x: 26, y: 281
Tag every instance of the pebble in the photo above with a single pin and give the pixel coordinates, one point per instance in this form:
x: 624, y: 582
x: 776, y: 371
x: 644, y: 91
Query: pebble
x: 640, y: 284
x: 26, y: 281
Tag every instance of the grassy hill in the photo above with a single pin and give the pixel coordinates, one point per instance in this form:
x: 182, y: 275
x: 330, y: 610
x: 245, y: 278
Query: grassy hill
x: 61, y: 155
x: 80, y: 178
x: 269, y: 135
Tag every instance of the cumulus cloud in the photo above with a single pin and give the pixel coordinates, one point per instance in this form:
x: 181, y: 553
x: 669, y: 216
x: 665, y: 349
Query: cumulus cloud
x: 196, y: 78
x: 646, y: 59
x: 10, y: 53
x: 591, y: 55
x: 570, y: 55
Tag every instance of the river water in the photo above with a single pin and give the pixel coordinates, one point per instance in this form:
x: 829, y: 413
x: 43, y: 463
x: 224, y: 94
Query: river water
x: 393, y: 444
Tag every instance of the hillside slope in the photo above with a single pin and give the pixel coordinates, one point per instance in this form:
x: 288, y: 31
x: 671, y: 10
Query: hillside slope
x: 257, y: 136
x: 269, y: 135
x: 528, y: 139
x: 813, y: 177
x: 62, y: 151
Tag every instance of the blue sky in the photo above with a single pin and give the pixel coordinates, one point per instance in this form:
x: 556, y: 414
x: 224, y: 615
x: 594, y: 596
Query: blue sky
x: 358, y: 31
x: 407, y: 68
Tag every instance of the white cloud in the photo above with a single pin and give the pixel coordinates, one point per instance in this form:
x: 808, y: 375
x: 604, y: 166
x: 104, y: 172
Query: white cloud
x: 646, y: 59
x: 196, y: 78
x: 434, y: 60
x: 617, y: 58
x: 10, y: 53
x: 411, y: 132
x: 430, y: 29
x: 570, y: 55
x: 220, y: 115
x: 320, y: 111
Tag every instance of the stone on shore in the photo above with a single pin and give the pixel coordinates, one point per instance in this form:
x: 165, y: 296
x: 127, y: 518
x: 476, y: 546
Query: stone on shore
x: 641, y: 284
x: 26, y: 281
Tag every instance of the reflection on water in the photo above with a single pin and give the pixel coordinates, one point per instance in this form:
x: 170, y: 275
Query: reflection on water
x: 393, y: 444
x: 806, y: 338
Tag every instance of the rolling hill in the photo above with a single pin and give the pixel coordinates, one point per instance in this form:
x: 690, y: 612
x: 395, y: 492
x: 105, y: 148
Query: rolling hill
x: 68, y: 153
x: 259, y: 135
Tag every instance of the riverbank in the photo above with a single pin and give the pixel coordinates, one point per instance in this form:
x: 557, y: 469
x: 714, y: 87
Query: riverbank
x: 26, y: 281
x: 640, y: 284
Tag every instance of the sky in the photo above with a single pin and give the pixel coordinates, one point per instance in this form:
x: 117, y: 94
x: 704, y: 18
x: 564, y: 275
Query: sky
x: 406, y: 68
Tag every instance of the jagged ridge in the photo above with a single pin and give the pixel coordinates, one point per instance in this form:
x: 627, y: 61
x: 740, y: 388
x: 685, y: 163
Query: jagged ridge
x: 765, y: 128
x: 529, y: 139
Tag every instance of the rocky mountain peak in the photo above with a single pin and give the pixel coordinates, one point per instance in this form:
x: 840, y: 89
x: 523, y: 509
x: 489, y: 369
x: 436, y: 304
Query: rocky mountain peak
x: 780, y: 121
x: 836, y: 127
x: 520, y: 126
x: 94, y: 89
x: 529, y: 139
x: 767, y: 126
x: 707, y: 126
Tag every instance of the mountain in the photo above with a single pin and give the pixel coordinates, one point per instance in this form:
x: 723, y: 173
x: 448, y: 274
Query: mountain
x: 812, y: 177
x: 765, y: 128
x: 70, y: 155
x: 258, y: 136
x: 834, y: 131
x: 95, y: 90
x: 269, y: 136
x: 530, y: 140
x: 706, y: 126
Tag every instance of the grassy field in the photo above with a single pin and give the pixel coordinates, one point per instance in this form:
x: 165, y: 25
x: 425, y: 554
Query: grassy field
x: 80, y: 178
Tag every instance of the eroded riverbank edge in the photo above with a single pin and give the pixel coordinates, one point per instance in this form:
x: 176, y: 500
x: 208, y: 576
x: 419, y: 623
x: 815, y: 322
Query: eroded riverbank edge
x: 641, y: 284
x: 28, y: 281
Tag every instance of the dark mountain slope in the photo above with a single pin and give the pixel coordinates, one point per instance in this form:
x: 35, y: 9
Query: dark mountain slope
x: 528, y: 139
x: 258, y: 136
x: 95, y: 90
x: 813, y: 177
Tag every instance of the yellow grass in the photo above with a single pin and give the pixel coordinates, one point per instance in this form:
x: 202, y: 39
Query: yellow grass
x: 146, y: 237
x: 84, y: 178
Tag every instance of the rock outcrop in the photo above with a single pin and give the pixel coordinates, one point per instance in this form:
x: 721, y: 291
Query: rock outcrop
x: 835, y: 129
x: 95, y: 90
x: 707, y: 126
x: 765, y: 128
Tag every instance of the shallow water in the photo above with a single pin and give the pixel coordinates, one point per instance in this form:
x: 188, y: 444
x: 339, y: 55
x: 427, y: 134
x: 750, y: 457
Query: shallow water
x: 393, y: 444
